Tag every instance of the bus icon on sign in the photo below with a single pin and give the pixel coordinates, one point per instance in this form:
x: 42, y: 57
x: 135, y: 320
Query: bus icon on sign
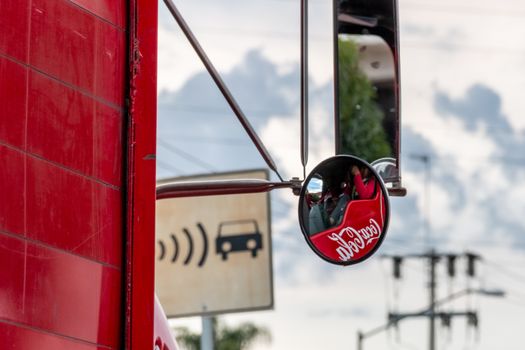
x: 238, y: 236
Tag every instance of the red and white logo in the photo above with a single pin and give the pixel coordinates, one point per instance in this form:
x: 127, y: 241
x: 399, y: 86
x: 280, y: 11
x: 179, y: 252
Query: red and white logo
x: 359, y: 233
x: 353, y: 241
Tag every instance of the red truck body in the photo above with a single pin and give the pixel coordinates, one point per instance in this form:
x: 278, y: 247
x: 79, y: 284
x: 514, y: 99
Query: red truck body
x: 77, y: 175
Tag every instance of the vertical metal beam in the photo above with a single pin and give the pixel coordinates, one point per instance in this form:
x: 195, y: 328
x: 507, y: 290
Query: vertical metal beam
x: 335, y: 40
x: 140, y: 176
x: 207, y: 333
x: 304, y: 84
x: 222, y: 86
x: 433, y: 258
x: 360, y: 338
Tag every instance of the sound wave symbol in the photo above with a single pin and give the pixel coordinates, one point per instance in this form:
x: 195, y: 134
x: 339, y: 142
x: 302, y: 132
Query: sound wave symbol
x: 189, y: 255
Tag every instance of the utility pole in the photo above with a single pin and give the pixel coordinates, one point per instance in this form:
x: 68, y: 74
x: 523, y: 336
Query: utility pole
x: 433, y: 284
x: 430, y: 312
x: 433, y: 258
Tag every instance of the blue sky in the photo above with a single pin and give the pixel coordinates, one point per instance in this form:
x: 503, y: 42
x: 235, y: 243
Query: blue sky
x: 462, y: 81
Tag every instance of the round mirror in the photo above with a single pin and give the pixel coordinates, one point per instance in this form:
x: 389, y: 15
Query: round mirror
x: 344, y: 210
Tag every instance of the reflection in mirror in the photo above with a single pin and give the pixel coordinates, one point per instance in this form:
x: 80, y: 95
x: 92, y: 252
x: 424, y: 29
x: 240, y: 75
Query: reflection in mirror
x: 366, y: 77
x: 386, y: 168
x: 344, y: 210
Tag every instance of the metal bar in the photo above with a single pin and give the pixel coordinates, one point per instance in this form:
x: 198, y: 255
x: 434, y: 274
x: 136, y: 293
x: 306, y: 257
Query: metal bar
x: 337, y: 136
x: 433, y: 259
x: 222, y: 87
x: 139, y: 307
x: 219, y: 187
x: 304, y: 84
x: 207, y: 333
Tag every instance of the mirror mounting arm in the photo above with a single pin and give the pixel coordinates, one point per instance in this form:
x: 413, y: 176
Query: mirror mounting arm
x: 397, y: 190
x: 222, y: 187
x: 304, y: 85
x: 222, y: 86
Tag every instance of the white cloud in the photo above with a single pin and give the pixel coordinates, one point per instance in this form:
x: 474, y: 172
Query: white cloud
x: 320, y: 306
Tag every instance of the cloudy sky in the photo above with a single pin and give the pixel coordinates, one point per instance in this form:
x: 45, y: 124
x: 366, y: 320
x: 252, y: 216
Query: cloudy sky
x: 462, y: 82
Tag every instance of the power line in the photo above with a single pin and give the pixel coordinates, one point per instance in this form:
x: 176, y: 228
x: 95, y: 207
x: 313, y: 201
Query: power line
x: 186, y: 156
x: 516, y: 302
x: 218, y: 31
x: 229, y: 141
x: 218, y: 110
x: 490, y: 159
x: 167, y: 166
x: 458, y: 48
x: 500, y: 268
x: 461, y: 10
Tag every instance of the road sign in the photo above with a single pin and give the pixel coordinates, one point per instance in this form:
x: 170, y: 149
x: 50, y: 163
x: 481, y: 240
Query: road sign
x: 213, y: 253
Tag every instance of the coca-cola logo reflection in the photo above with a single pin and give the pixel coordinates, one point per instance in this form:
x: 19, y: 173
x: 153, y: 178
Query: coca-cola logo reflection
x: 353, y: 241
x: 360, y: 231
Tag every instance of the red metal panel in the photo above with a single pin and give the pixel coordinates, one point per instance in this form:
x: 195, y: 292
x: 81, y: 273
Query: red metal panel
x: 12, y: 257
x: 108, y: 141
x: 61, y: 205
x: 108, y: 224
x: 72, y: 212
x: 113, y: 11
x: 12, y: 89
x: 70, y: 128
x: 85, y: 296
x: 141, y: 175
x: 60, y: 124
x: 15, y: 337
x: 63, y: 42
x: 11, y: 192
x: 14, y: 28
x: 110, y: 72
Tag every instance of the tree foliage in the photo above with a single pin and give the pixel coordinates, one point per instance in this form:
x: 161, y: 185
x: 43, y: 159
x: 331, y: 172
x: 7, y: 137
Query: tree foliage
x: 361, y: 119
x: 225, y: 337
x: 187, y: 339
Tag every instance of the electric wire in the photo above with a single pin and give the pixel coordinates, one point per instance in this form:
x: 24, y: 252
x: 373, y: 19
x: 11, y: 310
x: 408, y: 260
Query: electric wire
x: 168, y: 167
x: 517, y: 277
x: 234, y: 142
x: 187, y: 156
x: 460, y: 10
x: 294, y: 36
x: 450, y: 7
x: 215, y: 110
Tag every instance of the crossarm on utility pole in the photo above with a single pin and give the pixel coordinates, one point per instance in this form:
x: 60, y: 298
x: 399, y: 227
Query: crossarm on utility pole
x: 394, y: 318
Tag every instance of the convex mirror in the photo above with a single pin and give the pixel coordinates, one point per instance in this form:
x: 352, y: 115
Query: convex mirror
x: 344, y: 210
x: 367, y: 80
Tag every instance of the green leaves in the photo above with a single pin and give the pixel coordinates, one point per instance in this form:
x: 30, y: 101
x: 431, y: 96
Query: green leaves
x: 361, y: 118
x: 226, y: 338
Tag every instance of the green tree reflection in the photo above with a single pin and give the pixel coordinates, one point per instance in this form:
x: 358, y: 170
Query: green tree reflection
x: 361, y: 118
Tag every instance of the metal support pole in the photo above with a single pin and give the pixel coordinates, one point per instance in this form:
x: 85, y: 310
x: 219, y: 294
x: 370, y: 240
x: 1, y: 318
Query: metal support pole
x: 304, y: 84
x: 207, y: 333
x: 432, y: 316
x: 360, y: 338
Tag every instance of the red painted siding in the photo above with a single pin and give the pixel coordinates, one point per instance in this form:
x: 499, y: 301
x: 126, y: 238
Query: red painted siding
x: 63, y: 71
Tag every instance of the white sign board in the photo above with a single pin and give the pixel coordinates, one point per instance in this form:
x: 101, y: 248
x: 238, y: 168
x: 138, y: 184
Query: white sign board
x: 213, y: 253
